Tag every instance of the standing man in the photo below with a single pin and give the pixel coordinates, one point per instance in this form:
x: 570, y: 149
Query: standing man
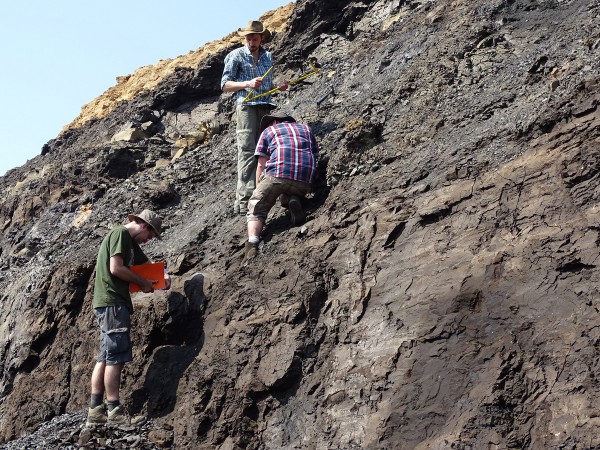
x: 113, y: 308
x: 244, y: 74
x: 287, y: 154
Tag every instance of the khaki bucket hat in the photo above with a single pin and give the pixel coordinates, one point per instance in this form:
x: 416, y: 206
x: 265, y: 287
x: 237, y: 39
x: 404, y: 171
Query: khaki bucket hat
x: 255, y: 27
x: 151, y: 218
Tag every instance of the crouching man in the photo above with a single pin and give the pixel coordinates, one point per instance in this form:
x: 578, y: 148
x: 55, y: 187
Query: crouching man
x: 119, y: 250
x: 287, y: 154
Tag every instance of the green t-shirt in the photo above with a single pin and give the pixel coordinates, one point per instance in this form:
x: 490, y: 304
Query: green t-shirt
x: 108, y: 289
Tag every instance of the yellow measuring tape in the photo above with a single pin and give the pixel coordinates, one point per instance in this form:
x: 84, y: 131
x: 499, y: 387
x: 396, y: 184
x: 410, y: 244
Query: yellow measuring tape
x: 250, y: 93
x: 315, y: 71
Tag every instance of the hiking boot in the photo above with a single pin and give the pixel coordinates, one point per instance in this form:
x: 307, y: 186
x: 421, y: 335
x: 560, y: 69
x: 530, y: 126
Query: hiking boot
x: 297, y: 216
x: 250, y: 251
x: 118, y: 418
x: 96, y: 416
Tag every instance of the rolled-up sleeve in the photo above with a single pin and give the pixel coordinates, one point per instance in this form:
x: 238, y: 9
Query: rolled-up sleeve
x: 229, y: 70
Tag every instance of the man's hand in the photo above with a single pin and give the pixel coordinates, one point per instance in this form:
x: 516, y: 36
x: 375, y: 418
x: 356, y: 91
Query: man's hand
x: 255, y: 83
x: 283, y: 86
x: 167, y: 281
x: 147, y: 286
x: 119, y: 270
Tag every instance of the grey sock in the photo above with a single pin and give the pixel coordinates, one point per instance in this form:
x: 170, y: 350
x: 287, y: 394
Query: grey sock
x: 95, y: 400
x: 112, y: 404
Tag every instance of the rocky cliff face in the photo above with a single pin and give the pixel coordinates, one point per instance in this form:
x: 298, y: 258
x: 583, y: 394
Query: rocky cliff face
x: 443, y: 293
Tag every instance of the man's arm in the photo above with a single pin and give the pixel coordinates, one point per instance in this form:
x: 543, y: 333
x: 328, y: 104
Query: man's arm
x: 260, y: 167
x: 231, y: 72
x: 234, y: 86
x: 121, y: 271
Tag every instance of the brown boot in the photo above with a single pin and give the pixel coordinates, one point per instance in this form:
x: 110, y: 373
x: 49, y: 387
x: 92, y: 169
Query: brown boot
x: 297, y: 215
x: 250, y: 252
x: 96, y: 416
x: 118, y: 418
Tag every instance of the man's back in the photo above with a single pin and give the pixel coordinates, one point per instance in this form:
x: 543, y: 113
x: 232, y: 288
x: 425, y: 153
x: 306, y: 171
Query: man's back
x: 291, y: 151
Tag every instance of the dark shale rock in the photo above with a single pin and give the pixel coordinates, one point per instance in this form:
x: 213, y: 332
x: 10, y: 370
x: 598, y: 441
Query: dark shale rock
x: 442, y: 294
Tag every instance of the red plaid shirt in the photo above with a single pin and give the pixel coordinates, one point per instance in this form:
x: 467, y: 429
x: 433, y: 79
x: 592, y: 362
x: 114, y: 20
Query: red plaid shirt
x: 291, y: 151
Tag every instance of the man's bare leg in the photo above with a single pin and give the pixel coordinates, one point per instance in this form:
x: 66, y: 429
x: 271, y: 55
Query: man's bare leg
x: 112, y: 381
x: 98, y: 378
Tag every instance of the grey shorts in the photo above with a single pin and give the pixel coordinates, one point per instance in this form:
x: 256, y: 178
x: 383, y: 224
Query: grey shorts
x: 115, y: 342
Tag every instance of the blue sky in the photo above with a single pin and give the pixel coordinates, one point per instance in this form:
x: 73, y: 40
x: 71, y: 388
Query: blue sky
x: 58, y: 55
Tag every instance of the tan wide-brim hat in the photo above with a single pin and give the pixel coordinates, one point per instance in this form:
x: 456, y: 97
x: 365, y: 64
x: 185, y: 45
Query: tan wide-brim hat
x: 255, y: 27
x: 151, y: 218
x: 278, y: 116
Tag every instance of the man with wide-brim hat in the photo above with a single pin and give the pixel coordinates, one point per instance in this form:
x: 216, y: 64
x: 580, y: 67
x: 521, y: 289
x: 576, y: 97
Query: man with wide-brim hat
x: 286, y: 168
x: 119, y: 250
x: 248, y: 73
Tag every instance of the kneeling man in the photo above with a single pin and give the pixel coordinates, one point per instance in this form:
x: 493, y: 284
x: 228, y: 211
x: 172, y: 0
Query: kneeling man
x: 287, y: 154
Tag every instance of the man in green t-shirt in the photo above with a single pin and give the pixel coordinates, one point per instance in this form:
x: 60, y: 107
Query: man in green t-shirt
x: 119, y: 250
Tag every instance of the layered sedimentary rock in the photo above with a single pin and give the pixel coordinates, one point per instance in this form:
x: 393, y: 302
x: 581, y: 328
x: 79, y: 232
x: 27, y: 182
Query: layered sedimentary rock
x: 443, y: 292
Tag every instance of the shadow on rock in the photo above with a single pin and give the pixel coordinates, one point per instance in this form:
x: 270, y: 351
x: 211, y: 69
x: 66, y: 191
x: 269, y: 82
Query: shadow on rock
x: 176, y: 346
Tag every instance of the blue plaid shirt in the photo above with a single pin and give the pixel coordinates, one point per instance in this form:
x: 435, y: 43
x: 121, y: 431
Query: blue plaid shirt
x: 291, y: 151
x: 239, y: 66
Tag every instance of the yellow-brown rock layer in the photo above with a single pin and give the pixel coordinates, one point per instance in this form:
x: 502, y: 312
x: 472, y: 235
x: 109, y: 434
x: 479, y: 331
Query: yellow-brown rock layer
x: 148, y: 77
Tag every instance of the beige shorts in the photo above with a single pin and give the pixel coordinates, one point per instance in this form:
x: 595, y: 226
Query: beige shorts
x: 268, y: 191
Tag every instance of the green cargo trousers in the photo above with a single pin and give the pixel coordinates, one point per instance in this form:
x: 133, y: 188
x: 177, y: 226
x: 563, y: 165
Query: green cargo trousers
x: 247, y: 133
